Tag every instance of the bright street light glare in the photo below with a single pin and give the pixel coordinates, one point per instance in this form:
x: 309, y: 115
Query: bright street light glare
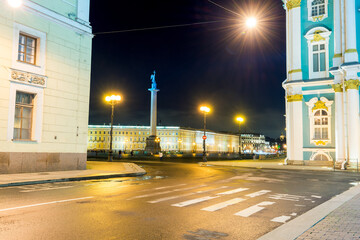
x: 14, y: 3
x: 205, y: 109
x: 251, y: 22
x: 240, y: 119
x: 113, y: 98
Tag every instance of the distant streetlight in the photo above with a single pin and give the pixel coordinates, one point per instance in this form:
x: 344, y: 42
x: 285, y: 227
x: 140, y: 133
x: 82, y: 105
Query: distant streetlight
x: 205, y: 110
x: 14, y: 3
x: 251, y: 22
x: 112, y: 100
x: 240, y: 120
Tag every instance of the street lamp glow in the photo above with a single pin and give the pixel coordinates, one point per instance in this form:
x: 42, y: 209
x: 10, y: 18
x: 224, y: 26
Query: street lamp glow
x: 204, y: 109
x: 251, y: 22
x: 240, y: 119
x: 113, y: 98
x: 14, y: 3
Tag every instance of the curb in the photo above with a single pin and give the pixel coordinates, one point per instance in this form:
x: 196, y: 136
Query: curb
x: 73, y: 179
x: 304, y: 222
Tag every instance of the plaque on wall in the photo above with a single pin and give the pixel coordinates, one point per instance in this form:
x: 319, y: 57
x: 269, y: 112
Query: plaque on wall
x: 28, y: 78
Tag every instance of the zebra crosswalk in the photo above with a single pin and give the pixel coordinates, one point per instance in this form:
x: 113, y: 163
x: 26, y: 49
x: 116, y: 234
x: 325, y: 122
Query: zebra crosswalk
x: 218, y: 199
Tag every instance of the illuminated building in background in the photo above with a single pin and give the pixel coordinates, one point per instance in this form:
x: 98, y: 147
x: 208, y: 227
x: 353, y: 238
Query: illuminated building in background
x: 322, y: 85
x: 127, y: 138
x: 45, y: 60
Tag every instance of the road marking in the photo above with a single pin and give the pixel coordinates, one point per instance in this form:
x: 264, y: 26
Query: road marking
x: 165, y: 192
x: 259, y: 193
x: 178, y: 185
x: 281, y: 219
x: 170, y: 198
x: 233, y: 191
x: 44, y: 189
x: 253, y: 209
x: 222, y: 205
x: 293, y: 214
x: 46, y: 203
x: 149, y: 195
x: 287, y: 197
x: 189, y: 188
x: 185, y: 195
x: 193, y: 201
x: 315, y: 196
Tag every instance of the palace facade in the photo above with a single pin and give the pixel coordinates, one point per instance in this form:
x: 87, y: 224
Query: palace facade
x: 322, y: 85
x: 127, y: 138
x: 45, y: 60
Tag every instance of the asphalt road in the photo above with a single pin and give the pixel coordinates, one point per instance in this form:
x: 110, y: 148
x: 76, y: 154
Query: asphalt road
x: 173, y: 201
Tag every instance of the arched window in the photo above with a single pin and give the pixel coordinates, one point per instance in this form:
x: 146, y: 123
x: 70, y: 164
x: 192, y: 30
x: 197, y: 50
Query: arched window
x: 321, y: 125
x: 321, y: 157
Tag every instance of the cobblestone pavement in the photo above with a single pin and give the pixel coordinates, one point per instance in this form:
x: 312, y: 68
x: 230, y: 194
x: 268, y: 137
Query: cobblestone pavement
x: 342, y: 223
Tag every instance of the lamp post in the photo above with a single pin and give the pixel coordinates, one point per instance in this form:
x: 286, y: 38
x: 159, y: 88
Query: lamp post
x: 205, y: 110
x: 112, y: 100
x: 240, y: 120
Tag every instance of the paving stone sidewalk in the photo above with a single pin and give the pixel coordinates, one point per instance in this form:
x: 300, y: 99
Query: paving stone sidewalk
x: 342, y: 223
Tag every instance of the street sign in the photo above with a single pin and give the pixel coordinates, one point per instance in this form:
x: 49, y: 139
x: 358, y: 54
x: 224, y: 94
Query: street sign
x: 204, y: 137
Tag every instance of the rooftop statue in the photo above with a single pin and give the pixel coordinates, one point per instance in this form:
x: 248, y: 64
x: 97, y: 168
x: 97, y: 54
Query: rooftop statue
x: 153, y: 82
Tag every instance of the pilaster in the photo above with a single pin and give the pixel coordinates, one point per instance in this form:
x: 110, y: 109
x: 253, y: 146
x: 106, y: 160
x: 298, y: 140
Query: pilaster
x: 351, y: 54
x: 337, y: 58
x: 294, y: 128
x: 294, y: 39
x: 339, y: 119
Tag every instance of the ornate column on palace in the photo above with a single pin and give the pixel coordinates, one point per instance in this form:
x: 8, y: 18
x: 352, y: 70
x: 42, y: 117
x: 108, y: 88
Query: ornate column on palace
x: 351, y: 54
x: 352, y: 91
x: 293, y: 15
x: 337, y: 58
x: 294, y: 127
x: 153, y: 142
x: 340, y: 155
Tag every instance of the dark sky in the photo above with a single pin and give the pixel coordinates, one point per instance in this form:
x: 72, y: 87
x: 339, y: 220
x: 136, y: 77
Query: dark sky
x: 232, y: 69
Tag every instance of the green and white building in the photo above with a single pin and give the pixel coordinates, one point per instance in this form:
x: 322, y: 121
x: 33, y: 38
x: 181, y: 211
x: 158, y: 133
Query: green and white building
x: 322, y: 85
x: 45, y: 60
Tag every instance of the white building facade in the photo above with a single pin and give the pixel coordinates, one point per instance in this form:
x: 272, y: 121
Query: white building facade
x: 322, y: 85
x: 45, y: 60
x: 177, y: 139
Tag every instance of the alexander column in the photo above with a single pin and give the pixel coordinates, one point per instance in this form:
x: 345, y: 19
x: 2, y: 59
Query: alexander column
x: 153, y: 142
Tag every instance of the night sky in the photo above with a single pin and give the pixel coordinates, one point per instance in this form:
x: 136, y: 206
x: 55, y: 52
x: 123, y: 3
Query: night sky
x: 222, y: 64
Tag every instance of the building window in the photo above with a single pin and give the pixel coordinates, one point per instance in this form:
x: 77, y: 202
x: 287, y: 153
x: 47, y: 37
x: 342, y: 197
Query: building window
x: 321, y: 127
x: 319, y: 59
x: 23, y: 115
x: 317, y: 10
x: 320, y: 120
x: 318, y: 52
x: 27, y: 49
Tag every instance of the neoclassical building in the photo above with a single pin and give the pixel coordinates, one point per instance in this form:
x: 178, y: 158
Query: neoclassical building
x: 45, y: 59
x: 322, y: 85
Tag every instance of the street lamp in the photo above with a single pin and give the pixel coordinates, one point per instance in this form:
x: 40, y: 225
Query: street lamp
x: 14, y: 3
x: 251, y: 22
x: 240, y: 120
x: 112, y: 100
x: 205, y: 110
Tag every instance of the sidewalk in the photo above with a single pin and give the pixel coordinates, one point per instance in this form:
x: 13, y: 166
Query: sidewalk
x: 269, y: 164
x: 95, y: 170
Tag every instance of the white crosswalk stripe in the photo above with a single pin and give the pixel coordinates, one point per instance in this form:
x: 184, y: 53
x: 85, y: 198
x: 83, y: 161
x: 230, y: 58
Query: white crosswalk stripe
x: 259, y: 193
x: 233, y: 191
x: 253, y: 209
x: 193, y: 201
x: 222, y: 205
x: 281, y: 219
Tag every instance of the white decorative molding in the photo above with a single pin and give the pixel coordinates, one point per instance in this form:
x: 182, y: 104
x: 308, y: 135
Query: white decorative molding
x: 327, y: 107
x: 318, y: 35
x: 28, y: 78
x: 317, y: 18
x: 321, y: 152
